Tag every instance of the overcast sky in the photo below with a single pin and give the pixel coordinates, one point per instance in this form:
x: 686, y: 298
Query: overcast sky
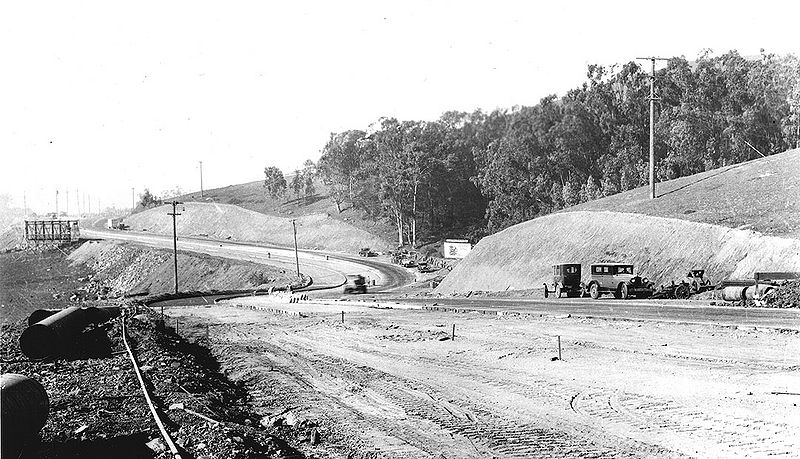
x: 103, y: 97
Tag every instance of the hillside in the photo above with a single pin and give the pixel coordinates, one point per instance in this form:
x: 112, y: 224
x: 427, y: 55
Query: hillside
x: 251, y: 196
x: 701, y: 221
x: 762, y: 195
x: 224, y: 221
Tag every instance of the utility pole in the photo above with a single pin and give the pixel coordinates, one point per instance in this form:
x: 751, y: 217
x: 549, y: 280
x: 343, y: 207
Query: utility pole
x: 78, y: 201
x: 652, y: 98
x: 133, y: 199
x: 56, y: 202
x: 25, y: 203
x: 296, y: 257
x: 201, y: 179
x: 175, y: 239
x: 66, y: 204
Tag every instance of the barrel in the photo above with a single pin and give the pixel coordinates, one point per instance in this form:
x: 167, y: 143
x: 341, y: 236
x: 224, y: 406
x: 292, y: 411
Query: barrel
x: 733, y: 293
x: 25, y: 406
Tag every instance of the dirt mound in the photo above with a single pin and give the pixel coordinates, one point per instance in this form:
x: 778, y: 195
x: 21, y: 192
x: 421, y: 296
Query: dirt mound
x: 128, y: 269
x: 222, y: 221
x: 788, y: 296
x: 762, y: 195
x: 662, y: 249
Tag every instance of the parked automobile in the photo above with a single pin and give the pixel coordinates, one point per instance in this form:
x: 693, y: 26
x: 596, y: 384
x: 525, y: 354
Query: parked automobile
x: 566, y: 279
x: 618, y: 279
x: 367, y: 252
x: 425, y: 267
x: 355, y: 283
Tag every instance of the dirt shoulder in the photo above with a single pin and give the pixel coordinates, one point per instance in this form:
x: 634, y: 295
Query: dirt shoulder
x: 391, y: 383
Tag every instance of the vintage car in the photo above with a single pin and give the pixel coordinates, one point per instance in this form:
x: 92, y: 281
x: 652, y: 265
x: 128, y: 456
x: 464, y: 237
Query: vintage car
x: 618, y: 279
x: 566, y: 279
x: 356, y: 283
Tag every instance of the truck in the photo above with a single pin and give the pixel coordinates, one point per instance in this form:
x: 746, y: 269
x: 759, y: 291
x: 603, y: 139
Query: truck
x: 114, y: 223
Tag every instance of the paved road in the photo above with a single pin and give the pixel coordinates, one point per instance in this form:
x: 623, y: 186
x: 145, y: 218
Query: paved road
x: 327, y: 270
x: 699, y: 312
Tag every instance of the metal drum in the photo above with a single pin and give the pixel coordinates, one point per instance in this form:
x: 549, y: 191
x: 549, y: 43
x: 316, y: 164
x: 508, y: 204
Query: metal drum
x: 25, y: 407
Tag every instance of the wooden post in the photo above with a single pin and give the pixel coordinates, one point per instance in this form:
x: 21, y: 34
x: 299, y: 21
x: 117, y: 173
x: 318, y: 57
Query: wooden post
x: 342, y: 316
x: 176, y: 325
x: 453, y: 335
x: 559, y: 346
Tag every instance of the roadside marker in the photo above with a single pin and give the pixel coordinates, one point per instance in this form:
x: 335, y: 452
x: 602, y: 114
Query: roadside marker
x: 453, y: 336
x: 559, y: 347
x: 342, y: 316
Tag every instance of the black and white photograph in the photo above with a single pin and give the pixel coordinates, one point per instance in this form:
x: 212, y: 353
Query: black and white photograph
x: 428, y: 229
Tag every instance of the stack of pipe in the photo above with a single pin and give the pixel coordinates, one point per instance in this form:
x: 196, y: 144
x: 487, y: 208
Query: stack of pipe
x: 56, y: 331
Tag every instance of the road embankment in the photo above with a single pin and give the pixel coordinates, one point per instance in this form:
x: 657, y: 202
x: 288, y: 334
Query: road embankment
x: 662, y: 249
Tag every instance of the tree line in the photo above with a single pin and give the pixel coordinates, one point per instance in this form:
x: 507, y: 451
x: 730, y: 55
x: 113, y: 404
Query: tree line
x: 472, y: 174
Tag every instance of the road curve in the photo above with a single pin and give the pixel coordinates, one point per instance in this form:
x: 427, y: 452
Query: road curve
x: 327, y: 270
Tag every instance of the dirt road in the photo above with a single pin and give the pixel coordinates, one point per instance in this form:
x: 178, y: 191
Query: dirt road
x: 327, y: 270
x: 389, y: 382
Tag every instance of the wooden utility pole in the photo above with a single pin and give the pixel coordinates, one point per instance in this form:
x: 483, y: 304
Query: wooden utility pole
x: 201, y: 179
x: 174, y: 214
x: 296, y: 257
x: 652, y: 98
x: 56, y: 202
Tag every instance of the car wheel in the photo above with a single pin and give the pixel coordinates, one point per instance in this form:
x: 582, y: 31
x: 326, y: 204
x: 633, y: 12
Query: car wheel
x: 623, y: 291
x: 682, y: 292
x: 594, y: 291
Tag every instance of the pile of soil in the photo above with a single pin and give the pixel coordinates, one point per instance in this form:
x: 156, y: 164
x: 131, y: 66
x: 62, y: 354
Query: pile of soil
x: 97, y: 408
x: 787, y: 296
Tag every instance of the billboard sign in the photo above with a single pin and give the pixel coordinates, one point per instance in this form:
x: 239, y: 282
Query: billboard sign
x: 456, y: 248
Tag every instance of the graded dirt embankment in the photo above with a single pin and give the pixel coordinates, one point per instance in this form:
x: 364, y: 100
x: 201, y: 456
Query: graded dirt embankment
x: 223, y: 221
x: 662, y: 249
x: 128, y: 269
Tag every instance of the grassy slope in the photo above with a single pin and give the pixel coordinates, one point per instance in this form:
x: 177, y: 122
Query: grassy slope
x: 251, y: 196
x: 225, y: 221
x: 761, y: 194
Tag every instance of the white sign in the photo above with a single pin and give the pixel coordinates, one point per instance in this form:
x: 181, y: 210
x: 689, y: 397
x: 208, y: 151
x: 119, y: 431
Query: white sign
x: 456, y: 248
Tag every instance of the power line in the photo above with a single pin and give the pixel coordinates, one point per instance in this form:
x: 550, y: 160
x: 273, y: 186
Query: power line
x: 652, y: 98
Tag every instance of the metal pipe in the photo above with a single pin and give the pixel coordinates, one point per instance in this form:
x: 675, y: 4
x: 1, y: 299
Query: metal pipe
x: 54, y: 335
x: 25, y: 407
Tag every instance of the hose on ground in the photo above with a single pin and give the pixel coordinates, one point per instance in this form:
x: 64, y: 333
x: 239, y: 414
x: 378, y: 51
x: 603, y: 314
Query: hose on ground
x: 164, y: 433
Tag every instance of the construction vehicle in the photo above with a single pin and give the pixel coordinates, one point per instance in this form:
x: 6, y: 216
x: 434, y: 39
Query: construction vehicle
x: 566, y: 279
x: 618, y: 279
x: 355, y: 283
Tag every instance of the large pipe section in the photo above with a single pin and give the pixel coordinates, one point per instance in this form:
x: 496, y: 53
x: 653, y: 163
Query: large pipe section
x: 25, y: 407
x: 56, y: 333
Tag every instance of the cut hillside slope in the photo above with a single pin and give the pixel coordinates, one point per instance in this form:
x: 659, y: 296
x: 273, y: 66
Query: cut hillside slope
x: 252, y: 196
x: 129, y: 269
x: 223, y: 221
x: 762, y: 195
x: 662, y: 249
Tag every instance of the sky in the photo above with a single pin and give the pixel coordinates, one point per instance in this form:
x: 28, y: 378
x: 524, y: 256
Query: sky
x: 102, y: 99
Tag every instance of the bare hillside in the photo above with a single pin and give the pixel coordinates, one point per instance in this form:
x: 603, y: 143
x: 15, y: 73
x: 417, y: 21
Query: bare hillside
x: 252, y: 196
x: 223, y: 221
x: 661, y: 249
x: 762, y: 195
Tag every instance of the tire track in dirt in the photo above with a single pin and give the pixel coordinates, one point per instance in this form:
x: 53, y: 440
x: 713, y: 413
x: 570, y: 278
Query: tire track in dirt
x: 428, y: 422
x: 736, y: 436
